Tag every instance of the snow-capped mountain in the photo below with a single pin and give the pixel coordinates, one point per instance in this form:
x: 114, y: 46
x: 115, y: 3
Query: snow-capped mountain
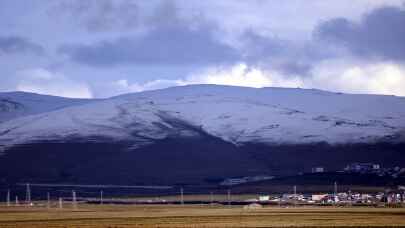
x: 235, y: 114
x: 195, y: 134
x: 18, y: 104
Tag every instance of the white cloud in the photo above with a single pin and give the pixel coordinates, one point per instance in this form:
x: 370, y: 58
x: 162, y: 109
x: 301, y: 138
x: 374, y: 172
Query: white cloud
x: 122, y: 86
x: 237, y: 75
x: 382, y: 78
x: 42, y: 81
x: 243, y: 75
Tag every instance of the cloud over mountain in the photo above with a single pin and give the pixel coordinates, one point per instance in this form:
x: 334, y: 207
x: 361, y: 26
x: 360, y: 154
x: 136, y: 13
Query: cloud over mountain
x: 380, y: 34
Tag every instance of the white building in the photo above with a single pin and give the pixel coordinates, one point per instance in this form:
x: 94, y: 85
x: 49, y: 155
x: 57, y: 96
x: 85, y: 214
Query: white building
x: 319, y: 197
x: 264, y: 198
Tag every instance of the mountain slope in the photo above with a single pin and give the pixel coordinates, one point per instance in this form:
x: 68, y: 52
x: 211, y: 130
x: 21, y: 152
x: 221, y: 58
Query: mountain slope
x: 234, y: 114
x: 18, y: 104
x: 196, y: 133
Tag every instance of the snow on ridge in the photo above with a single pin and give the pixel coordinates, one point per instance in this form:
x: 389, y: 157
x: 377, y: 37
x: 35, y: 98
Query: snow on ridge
x: 235, y: 114
x: 20, y: 104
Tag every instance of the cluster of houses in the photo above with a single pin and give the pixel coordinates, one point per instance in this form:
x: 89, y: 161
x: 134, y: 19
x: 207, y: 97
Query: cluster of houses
x: 371, y: 168
x: 390, y: 196
x: 393, y: 197
x: 357, y: 167
x: 367, y: 168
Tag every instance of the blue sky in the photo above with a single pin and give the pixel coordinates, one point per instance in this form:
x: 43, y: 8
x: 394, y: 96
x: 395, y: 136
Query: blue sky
x: 102, y: 48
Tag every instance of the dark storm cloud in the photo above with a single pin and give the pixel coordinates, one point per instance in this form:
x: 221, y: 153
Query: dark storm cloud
x: 15, y: 44
x: 257, y: 46
x: 175, y: 41
x: 166, y: 15
x: 172, y: 39
x: 175, y: 45
x: 99, y: 15
x: 169, y: 40
x: 380, y: 34
x: 286, y: 56
x: 295, y: 68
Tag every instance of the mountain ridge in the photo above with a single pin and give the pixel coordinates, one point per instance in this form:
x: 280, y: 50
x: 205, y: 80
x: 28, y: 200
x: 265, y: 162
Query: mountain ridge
x: 235, y: 114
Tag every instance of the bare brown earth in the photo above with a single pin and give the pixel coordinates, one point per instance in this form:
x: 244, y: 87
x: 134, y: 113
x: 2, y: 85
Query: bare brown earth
x: 199, y: 216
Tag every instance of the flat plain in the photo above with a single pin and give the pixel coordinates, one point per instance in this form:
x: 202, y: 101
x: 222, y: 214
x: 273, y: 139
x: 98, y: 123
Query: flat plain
x: 199, y: 216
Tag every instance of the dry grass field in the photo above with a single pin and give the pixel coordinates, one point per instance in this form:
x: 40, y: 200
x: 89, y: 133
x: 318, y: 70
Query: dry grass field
x: 199, y: 216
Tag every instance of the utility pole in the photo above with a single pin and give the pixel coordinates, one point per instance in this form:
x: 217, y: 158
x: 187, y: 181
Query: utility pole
x: 28, y: 194
x: 403, y: 196
x: 48, y: 200
x: 8, y: 198
x: 295, y: 195
x: 335, y: 192
x: 74, y: 202
x: 101, y: 197
x: 229, y: 197
x: 16, y: 201
x: 181, y: 196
